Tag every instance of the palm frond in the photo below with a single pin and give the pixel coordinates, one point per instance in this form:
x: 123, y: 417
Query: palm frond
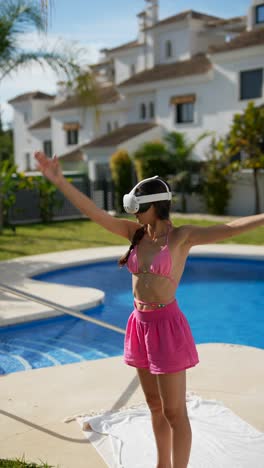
x: 22, y: 60
x: 22, y: 15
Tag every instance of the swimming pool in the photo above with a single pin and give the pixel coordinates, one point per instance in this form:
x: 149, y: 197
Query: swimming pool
x: 223, y: 300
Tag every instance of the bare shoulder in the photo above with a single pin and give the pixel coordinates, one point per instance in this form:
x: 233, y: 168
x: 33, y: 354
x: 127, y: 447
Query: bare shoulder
x: 132, y: 228
x: 180, y: 235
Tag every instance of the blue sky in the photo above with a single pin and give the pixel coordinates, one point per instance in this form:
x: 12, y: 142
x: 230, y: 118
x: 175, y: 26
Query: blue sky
x: 119, y: 23
x: 95, y: 24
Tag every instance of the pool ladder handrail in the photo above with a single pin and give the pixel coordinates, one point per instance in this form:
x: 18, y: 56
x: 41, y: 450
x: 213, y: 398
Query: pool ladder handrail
x: 60, y: 308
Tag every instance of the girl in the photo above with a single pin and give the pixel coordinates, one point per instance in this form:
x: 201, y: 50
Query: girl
x: 158, y: 340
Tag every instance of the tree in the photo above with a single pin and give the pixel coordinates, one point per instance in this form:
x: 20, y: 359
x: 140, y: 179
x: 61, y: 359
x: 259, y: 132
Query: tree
x: 216, y: 177
x: 180, y: 151
x: 247, y: 138
x: 10, y: 182
x: 6, y: 144
x: 20, y: 16
x: 121, y: 169
x: 6, y: 155
x: 48, y: 198
x: 152, y: 159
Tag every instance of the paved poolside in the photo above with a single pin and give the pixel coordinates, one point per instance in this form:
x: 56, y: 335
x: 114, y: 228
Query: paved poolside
x: 34, y: 403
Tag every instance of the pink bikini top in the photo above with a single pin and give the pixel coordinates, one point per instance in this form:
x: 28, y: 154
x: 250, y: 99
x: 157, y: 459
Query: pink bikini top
x: 161, y: 264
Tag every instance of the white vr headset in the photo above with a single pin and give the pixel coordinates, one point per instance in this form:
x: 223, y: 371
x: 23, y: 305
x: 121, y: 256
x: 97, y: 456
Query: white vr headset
x: 132, y: 203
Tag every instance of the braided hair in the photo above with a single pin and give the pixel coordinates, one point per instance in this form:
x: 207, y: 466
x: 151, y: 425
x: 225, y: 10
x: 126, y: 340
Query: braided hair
x: 135, y: 241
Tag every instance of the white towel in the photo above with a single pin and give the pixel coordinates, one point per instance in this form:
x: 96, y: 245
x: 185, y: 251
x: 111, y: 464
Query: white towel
x: 220, y: 439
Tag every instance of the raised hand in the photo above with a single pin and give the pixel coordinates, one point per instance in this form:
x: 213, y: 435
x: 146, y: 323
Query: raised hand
x: 50, y: 168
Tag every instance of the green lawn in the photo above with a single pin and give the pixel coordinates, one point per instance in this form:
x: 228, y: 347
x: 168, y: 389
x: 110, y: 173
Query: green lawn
x: 67, y: 235
x: 21, y: 464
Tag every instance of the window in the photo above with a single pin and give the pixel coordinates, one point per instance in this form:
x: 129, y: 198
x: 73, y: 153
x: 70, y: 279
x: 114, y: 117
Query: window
x: 151, y: 110
x: 184, y: 113
x: 143, y: 111
x: 28, y: 162
x: 132, y: 70
x: 260, y: 14
x: 251, y: 83
x: 109, y: 127
x: 47, y: 148
x: 72, y: 137
x: 168, y: 49
x: 103, y: 171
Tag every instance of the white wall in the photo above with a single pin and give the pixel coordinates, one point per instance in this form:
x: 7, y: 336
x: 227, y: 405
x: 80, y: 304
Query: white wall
x: 40, y: 108
x: 83, y: 116
x: 112, y: 117
x: 96, y: 156
x: 218, y: 97
x: 150, y: 49
x: 123, y: 62
x: 202, y: 38
x: 24, y: 141
x: 242, y: 202
x: 135, y: 102
x: 181, y: 44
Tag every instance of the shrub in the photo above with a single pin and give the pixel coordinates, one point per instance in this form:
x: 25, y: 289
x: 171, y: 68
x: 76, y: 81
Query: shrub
x: 121, y: 171
x: 152, y: 159
x: 48, y: 198
x: 216, y: 189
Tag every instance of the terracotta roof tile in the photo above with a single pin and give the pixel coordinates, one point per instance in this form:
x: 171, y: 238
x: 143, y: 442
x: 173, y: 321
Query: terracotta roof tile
x: 107, y: 95
x: 184, y: 15
x: 120, y: 135
x: 229, y: 21
x: 42, y: 123
x: 75, y: 155
x: 197, y: 65
x: 127, y: 45
x: 32, y: 95
x: 245, y: 39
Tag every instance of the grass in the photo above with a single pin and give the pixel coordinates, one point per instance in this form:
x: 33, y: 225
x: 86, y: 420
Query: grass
x: 16, y: 463
x: 66, y: 235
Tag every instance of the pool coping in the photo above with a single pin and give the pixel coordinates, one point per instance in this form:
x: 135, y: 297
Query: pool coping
x: 18, y: 273
x: 35, y: 402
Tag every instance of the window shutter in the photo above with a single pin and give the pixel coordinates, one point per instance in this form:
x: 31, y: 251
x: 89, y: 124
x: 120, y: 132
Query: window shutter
x: 183, y: 99
x: 67, y: 126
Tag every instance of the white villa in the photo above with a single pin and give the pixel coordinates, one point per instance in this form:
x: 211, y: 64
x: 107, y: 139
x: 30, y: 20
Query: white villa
x: 188, y: 73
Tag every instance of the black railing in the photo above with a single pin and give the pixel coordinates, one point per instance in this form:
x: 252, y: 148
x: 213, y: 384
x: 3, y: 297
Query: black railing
x: 26, y: 209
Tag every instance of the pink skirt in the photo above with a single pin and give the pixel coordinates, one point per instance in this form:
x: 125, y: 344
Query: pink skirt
x: 160, y: 340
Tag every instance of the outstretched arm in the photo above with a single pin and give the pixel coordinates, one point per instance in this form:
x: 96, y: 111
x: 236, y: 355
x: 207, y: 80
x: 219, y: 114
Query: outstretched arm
x: 52, y: 171
x: 196, y: 235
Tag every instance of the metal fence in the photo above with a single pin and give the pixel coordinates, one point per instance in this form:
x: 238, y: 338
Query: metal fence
x: 26, y: 209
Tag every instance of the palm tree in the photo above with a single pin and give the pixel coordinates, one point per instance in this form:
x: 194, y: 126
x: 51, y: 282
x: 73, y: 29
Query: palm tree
x: 246, y: 138
x: 180, y: 151
x: 20, y: 16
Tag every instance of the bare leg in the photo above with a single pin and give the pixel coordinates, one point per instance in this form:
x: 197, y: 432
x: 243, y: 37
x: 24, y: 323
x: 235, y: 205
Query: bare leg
x: 161, y: 427
x: 172, y: 388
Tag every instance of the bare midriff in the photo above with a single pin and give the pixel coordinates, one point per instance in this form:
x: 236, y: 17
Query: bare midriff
x: 155, y: 290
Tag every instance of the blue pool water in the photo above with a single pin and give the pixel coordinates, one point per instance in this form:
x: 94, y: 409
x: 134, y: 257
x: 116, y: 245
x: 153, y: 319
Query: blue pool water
x: 223, y: 300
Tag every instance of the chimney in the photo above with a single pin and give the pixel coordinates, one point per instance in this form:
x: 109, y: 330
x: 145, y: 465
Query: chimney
x: 141, y: 26
x: 152, y: 12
